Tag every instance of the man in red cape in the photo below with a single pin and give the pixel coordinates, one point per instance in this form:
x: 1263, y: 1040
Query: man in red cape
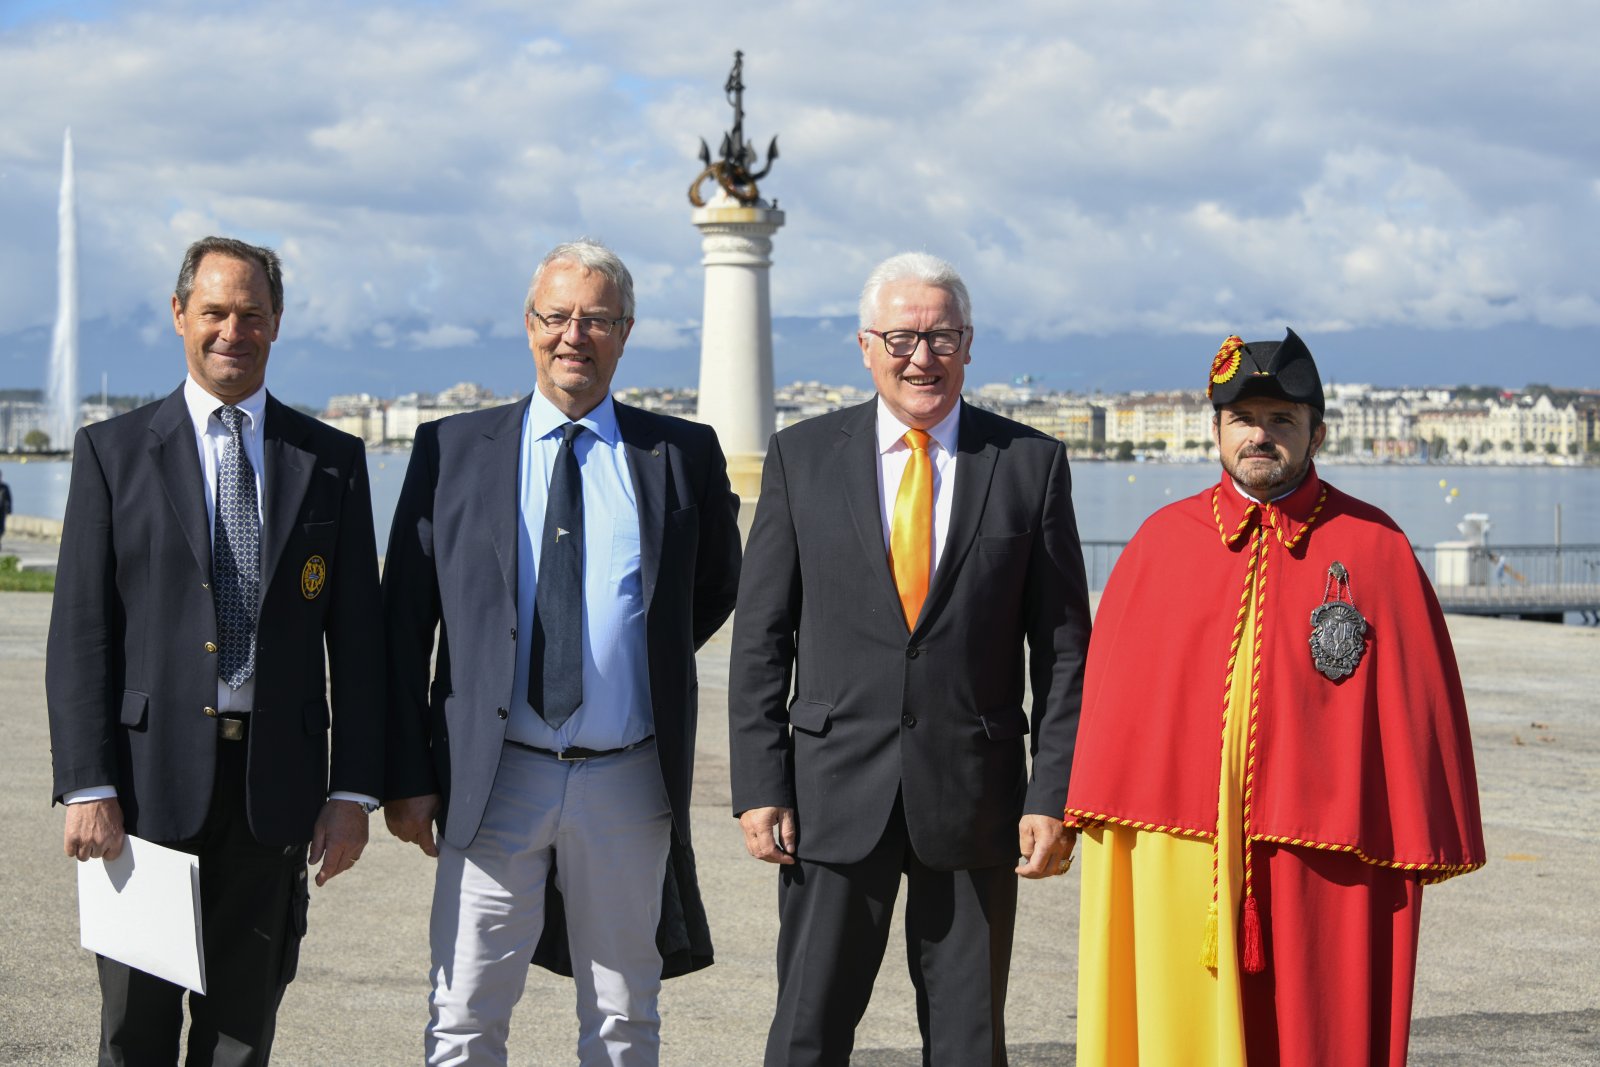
x: 1273, y: 758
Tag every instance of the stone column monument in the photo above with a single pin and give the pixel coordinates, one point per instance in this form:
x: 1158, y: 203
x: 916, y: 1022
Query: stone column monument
x: 736, y: 332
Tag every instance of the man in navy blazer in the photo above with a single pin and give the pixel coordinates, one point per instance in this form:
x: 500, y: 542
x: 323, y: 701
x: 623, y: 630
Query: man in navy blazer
x: 171, y: 722
x: 571, y: 554
x: 876, y: 707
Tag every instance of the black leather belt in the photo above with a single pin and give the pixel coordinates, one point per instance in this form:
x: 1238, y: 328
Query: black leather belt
x: 233, y: 727
x: 573, y: 755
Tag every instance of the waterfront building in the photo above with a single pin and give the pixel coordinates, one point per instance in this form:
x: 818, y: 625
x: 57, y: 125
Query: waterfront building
x: 360, y: 414
x: 1363, y: 421
x: 1173, y: 422
x: 18, y: 418
x: 1504, y: 428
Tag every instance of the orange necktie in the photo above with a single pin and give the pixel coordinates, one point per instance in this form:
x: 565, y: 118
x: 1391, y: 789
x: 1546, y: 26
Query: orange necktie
x: 911, y: 529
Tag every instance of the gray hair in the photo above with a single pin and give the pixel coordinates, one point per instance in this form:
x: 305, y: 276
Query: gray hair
x: 919, y: 267
x: 263, y: 257
x: 590, y: 255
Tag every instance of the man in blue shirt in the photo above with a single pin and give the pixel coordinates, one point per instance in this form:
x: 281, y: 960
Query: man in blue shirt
x: 571, y: 553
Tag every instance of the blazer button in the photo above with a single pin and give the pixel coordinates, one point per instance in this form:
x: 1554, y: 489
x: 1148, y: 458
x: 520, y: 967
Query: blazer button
x: 211, y: 713
x: 513, y: 633
x: 211, y: 646
x: 502, y: 712
x: 908, y: 720
x: 913, y: 653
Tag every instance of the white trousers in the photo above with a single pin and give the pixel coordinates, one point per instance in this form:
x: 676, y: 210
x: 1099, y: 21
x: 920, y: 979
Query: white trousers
x: 605, y: 824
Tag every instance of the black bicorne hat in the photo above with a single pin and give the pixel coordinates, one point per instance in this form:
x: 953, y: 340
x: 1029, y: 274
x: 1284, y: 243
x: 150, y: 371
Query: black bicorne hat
x: 1282, y: 369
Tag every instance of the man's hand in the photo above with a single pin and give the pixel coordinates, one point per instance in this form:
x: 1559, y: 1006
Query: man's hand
x: 1045, y: 845
x: 411, y: 819
x: 769, y: 834
x: 338, y: 838
x: 94, y: 830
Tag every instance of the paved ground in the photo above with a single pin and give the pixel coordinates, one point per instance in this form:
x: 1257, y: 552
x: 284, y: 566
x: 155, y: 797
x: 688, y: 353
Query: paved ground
x: 1508, y: 972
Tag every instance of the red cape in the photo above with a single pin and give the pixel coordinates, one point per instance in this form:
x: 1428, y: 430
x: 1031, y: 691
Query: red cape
x: 1378, y: 763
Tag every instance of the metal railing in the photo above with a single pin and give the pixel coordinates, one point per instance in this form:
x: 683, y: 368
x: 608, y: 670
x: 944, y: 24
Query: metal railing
x: 1467, y: 577
x: 1514, y: 579
x: 1098, y: 559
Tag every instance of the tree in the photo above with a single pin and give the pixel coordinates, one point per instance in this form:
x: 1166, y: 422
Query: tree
x: 1124, y: 450
x: 1528, y: 446
x: 1550, y: 448
x: 1485, y: 445
x: 36, y: 440
x: 1463, y: 445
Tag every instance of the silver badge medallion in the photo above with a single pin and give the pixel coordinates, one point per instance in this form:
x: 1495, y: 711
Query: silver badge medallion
x: 1338, y: 630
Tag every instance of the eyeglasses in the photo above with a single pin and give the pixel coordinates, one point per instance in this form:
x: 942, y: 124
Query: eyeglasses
x: 904, y: 342
x: 590, y: 325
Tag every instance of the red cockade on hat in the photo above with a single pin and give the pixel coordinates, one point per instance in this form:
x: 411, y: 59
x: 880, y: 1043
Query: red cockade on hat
x: 1226, y: 365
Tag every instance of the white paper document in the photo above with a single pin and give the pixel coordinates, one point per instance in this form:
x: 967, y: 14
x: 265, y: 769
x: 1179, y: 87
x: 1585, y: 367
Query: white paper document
x: 143, y: 909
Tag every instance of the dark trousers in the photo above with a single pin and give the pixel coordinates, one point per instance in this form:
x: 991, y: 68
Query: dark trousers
x: 835, y: 921
x: 253, y: 901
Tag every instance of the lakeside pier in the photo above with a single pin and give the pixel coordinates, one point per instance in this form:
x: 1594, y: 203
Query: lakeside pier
x: 1509, y: 968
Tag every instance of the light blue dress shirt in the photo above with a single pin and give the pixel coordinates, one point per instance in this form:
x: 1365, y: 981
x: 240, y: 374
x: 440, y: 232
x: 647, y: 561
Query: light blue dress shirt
x: 616, y: 682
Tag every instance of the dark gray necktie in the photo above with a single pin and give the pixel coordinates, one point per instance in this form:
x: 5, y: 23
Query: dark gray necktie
x: 236, y: 555
x: 555, y: 667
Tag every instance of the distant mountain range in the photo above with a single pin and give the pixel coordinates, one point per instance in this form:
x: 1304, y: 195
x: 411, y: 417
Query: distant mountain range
x: 141, y: 359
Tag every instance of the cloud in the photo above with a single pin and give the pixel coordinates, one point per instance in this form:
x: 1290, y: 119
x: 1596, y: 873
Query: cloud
x: 1091, y: 169
x: 664, y: 334
x: 444, y: 335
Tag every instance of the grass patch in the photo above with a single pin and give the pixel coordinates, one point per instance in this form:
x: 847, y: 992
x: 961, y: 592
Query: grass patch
x: 15, y: 580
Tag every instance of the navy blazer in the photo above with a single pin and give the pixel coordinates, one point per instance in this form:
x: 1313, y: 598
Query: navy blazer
x: 452, y: 566
x: 835, y: 709
x: 131, y: 672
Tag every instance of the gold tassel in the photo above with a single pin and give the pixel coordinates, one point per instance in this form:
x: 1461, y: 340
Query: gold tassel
x: 1208, y: 947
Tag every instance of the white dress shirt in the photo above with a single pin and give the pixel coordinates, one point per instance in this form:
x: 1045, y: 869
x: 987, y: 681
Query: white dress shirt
x: 894, y: 454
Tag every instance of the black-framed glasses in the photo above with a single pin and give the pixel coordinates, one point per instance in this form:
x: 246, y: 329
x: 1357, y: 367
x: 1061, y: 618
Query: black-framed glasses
x: 590, y: 325
x: 945, y: 342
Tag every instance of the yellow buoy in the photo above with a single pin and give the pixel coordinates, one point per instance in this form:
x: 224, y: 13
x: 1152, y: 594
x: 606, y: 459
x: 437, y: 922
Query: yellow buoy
x: 1130, y: 479
x: 1443, y: 483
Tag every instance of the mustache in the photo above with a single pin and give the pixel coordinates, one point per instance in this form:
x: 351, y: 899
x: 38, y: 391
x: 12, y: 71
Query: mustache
x: 1265, y: 453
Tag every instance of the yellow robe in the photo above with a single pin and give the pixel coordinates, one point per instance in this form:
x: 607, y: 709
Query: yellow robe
x: 1144, y: 996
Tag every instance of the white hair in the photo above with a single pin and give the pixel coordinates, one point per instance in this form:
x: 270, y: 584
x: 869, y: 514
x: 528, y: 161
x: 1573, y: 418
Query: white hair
x: 589, y: 254
x: 914, y: 266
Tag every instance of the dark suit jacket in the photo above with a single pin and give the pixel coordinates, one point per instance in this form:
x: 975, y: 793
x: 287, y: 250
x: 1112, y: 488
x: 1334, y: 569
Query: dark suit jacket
x: 834, y: 708
x: 128, y: 674
x: 452, y: 565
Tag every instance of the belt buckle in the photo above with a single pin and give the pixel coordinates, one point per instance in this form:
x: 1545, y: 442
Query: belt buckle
x: 564, y: 758
x: 230, y: 729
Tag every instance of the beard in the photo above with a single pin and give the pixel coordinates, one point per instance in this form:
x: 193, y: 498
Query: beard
x: 1267, y: 480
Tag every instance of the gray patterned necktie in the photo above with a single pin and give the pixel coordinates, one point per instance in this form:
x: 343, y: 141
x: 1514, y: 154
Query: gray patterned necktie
x: 236, y: 555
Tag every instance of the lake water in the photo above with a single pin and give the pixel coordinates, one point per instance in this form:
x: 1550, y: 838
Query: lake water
x: 1112, y: 499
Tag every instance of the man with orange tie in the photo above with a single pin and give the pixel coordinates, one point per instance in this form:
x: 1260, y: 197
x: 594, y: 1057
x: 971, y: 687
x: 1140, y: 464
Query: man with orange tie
x: 904, y: 553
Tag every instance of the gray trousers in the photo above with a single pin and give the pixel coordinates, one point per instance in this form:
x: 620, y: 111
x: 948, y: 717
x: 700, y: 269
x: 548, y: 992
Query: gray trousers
x: 603, y: 826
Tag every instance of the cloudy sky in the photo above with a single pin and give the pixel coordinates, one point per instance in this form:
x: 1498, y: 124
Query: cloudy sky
x: 1414, y: 186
